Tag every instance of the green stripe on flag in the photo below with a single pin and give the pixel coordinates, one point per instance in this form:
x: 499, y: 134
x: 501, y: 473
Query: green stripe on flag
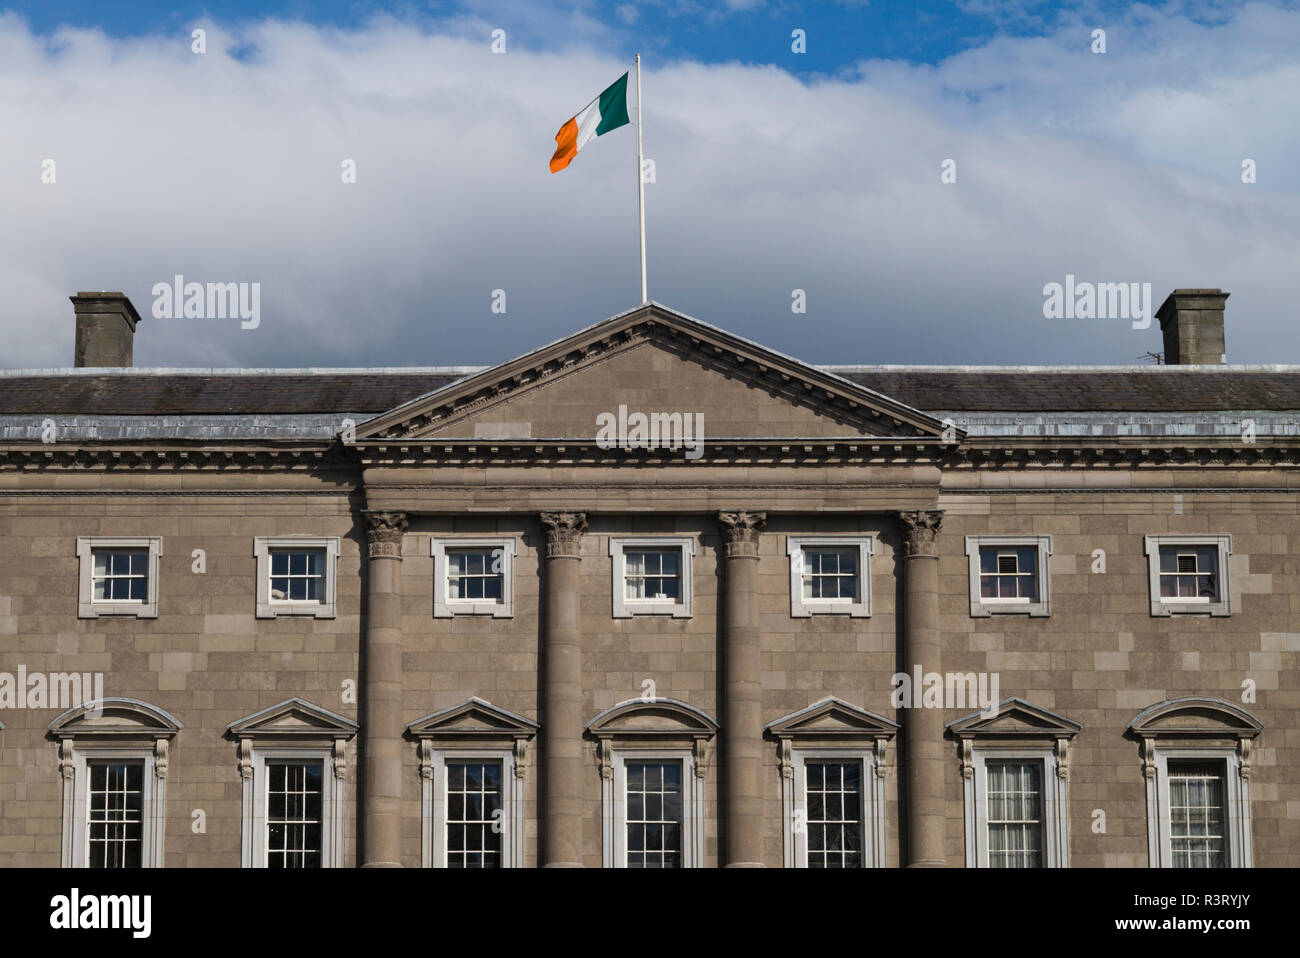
x: 613, y: 106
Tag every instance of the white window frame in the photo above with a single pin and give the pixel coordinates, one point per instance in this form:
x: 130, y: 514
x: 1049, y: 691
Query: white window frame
x: 794, y: 794
x: 1056, y: 812
x: 981, y: 607
x: 445, y: 607
x: 76, y: 803
x: 268, y: 608
x: 800, y: 607
x: 1236, y: 789
x: 433, y: 800
x: 255, y: 792
x: 88, y: 607
x: 627, y: 608
x: 614, y: 805
x: 1161, y: 606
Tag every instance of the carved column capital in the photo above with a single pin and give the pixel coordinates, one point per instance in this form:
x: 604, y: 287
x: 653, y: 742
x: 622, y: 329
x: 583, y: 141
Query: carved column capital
x: 384, y: 531
x: 740, y: 531
x: 920, y: 530
x: 564, y: 533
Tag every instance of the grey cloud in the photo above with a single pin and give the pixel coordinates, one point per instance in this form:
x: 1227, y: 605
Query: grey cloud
x: 228, y: 170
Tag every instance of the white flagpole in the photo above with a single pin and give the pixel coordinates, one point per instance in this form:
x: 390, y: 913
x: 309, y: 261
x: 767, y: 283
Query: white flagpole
x: 640, y: 179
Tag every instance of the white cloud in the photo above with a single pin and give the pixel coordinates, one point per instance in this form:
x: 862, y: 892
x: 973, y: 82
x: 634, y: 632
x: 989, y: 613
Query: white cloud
x: 1116, y: 168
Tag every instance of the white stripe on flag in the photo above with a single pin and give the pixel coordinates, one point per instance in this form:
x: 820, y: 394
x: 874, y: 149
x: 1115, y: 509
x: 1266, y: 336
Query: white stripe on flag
x: 587, y: 122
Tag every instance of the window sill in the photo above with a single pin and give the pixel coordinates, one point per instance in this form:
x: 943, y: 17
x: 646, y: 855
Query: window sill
x: 451, y: 609
x: 641, y: 607
x: 138, y: 610
x: 275, y: 610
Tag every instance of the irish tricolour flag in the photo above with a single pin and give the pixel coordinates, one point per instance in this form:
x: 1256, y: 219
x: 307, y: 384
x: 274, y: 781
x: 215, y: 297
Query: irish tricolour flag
x: 607, y: 112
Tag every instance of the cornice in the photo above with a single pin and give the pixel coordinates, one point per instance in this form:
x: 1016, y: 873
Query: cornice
x: 1066, y: 454
x: 172, y: 457
x: 1127, y: 453
x: 466, y: 452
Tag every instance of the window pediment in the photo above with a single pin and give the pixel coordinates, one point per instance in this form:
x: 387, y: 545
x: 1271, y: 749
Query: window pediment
x: 1195, y: 717
x: 115, y: 718
x: 294, y: 718
x: 473, y: 718
x: 1194, y: 721
x: 835, y: 718
x: 658, y: 721
x: 1015, y: 722
x: 831, y: 722
x: 653, y: 717
x: 1015, y: 718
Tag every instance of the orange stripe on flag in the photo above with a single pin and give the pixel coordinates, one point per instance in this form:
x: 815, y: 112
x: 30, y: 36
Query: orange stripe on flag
x: 566, y: 145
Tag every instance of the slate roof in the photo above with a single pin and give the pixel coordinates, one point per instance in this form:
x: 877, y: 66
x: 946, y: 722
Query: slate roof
x: 219, y: 394
x: 957, y: 389
x: 1167, y: 389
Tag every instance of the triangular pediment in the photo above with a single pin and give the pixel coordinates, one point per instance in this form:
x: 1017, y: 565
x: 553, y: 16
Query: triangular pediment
x: 1014, y: 718
x: 472, y: 718
x: 650, y: 360
x: 833, y: 717
x: 652, y: 717
x: 1195, y: 716
x: 115, y: 717
x: 294, y: 717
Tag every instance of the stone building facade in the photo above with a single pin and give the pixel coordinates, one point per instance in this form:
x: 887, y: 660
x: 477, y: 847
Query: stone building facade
x: 479, y: 617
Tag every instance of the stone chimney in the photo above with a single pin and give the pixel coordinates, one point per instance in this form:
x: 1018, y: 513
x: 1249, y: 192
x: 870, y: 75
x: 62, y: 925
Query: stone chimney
x: 105, y: 329
x: 1192, y: 321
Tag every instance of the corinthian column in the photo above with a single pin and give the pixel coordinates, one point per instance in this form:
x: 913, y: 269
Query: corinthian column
x: 922, y: 727
x: 742, y: 725
x: 381, y: 702
x: 562, y: 707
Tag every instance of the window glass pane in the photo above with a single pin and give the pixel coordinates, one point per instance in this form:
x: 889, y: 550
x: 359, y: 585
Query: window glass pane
x: 1015, y: 818
x: 1009, y: 572
x: 120, y: 575
x: 115, y: 814
x: 1029, y: 587
x: 830, y: 573
x: 297, y: 575
x: 474, y: 814
x: 1197, y: 835
x: 654, y: 804
x: 833, y: 802
x: 652, y: 574
x: 294, y: 825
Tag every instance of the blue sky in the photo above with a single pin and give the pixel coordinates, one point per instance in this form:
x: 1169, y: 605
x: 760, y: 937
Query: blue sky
x: 775, y: 173
x: 839, y: 32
